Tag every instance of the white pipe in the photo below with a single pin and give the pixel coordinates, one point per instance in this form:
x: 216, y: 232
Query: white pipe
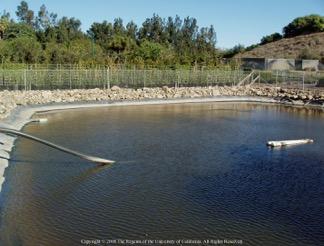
x: 39, y: 120
x: 97, y: 160
x: 288, y: 142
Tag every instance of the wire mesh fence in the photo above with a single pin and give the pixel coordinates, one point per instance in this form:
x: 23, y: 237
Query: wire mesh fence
x: 76, y: 78
x: 36, y: 79
x: 289, y: 78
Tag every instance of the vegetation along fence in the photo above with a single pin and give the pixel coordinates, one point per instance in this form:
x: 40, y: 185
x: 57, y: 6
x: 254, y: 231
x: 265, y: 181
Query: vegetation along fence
x: 38, y: 79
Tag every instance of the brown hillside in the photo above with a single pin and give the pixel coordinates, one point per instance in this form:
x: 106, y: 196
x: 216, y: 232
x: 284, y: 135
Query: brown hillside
x: 311, y: 46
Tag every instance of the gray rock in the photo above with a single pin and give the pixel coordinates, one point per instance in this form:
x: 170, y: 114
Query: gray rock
x: 115, y: 88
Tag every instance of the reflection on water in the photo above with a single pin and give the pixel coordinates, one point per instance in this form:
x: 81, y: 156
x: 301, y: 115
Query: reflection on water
x: 193, y: 171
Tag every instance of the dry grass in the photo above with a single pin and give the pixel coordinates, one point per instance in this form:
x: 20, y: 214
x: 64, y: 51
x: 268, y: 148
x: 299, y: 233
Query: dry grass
x: 311, y: 45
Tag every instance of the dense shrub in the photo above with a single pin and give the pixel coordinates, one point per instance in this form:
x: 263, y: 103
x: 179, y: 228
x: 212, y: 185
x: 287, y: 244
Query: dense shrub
x: 304, y: 25
x: 271, y: 38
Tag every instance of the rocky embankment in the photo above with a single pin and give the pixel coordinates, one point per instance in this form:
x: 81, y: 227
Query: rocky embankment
x: 11, y: 99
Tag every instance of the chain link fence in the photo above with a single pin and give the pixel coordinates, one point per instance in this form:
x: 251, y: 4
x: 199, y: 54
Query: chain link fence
x: 76, y: 78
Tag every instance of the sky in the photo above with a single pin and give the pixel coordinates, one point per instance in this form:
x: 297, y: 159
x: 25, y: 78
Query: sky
x: 236, y: 21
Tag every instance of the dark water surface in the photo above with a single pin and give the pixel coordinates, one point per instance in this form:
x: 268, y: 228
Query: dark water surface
x: 190, y: 171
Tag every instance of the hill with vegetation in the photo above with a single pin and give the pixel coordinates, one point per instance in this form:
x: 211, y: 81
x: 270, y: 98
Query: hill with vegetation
x: 303, y: 38
x: 309, y: 46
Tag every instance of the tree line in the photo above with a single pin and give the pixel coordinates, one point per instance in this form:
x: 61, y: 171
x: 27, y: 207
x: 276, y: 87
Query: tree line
x: 42, y: 37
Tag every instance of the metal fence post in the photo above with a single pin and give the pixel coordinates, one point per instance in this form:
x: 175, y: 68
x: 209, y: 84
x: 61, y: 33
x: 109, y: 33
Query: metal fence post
x: 108, y: 79
x: 60, y: 74
x: 304, y: 80
x: 70, y: 79
x: 144, y: 79
x: 179, y: 79
x: 117, y: 75
x: 29, y: 81
x: 133, y: 76
x: 25, y: 79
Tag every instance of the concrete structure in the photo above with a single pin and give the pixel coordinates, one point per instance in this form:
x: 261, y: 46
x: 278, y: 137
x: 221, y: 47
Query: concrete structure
x: 253, y: 63
x: 281, y: 64
x: 321, y: 66
x: 312, y: 65
x: 320, y: 83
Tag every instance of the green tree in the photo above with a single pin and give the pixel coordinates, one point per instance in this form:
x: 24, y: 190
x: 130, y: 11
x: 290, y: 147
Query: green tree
x: 118, y: 26
x: 101, y: 33
x: 304, y: 25
x: 189, y: 31
x: 56, y: 53
x: 233, y: 51
x: 79, y: 51
x: 153, y: 30
x: 17, y: 30
x: 45, y: 19
x: 157, y: 41
x: 149, y: 51
x: 131, y: 30
x: 85, y: 52
x: 171, y: 30
x: 24, y: 14
x: 3, y: 27
x: 4, y: 51
x: 271, y: 38
x: 5, y: 16
x: 251, y: 47
x: 24, y: 50
x: 204, y: 51
x: 120, y: 44
x: 68, y: 29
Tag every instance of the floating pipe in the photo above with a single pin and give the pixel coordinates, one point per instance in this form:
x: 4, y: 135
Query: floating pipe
x: 97, y: 160
x: 39, y: 120
x: 288, y: 142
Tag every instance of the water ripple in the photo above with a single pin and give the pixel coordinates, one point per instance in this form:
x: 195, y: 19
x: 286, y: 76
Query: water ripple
x: 186, y: 171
